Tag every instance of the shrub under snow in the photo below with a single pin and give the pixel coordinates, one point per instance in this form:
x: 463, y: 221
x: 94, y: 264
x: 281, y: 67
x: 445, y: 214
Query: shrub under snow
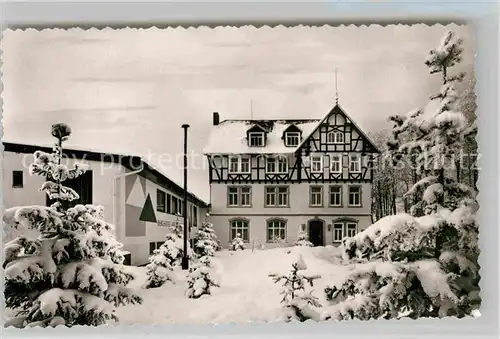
x: 303, y: 240
x: 237, y: 243
x: 72, y: 274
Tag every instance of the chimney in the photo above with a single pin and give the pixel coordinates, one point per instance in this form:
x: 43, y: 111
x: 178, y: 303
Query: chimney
x: 216, y: 118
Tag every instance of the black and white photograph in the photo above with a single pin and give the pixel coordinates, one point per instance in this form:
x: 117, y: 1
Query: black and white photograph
x: 239, y: 174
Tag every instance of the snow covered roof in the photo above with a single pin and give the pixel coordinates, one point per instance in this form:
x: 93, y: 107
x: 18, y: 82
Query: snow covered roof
x: 230, y: 136
x: 126, y: 160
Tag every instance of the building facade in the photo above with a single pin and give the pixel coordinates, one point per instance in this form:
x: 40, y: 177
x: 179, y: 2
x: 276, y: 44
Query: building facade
x: 270, y: 179
x: 137, y: 198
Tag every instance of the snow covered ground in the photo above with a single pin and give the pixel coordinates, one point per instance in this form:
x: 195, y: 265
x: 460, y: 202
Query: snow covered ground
x: 247, y: 293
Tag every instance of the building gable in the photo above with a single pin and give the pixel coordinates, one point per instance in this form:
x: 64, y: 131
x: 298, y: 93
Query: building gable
x: 337, y: 121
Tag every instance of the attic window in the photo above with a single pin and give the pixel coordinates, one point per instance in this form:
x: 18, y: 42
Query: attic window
x: 256, y: 139
x: 335, y: 137
x: 292, y: 139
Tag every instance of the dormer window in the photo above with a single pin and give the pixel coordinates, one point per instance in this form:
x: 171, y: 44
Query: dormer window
x: 336, y: 137
x: 292, y: 139
x: 256, y: 139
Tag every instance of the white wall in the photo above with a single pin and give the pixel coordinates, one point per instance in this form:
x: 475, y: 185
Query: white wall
x: 29, y: 194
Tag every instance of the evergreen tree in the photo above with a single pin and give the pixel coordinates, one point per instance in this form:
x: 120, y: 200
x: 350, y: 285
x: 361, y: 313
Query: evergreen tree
x: 206, y: 241
x: 237, y: 243
x: 201, y: 278
x: 160, y: 269
x: 425, y: 264
x: 303, y: 239
x: 72, y: 274
x: 298, y: 303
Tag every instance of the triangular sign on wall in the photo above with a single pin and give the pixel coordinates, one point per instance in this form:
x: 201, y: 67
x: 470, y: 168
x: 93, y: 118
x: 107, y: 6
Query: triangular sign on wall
x: 148, y: 212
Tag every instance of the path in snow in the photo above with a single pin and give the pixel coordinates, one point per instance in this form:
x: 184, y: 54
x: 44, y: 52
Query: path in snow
x: 247, y: 294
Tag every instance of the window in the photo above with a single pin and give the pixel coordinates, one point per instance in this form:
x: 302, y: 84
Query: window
x: 270, y: 165
x: 17, y: 179
x: 335, y: 195
x: 233, y: 165
x: 256, y: 139
x: 282, y: 165
x: 245, y: 196
x: 239, y: 165
x: 277, y: 196
x: 232, y: 196
x: 351, y: 230
x: 83, y: 185
x: 245, y: 165
x: 336, y: 165
x: 316, y: 198
x: 335, y: 137
x: 195, y: 216
x: 169, y: 204
x: 271, y: 196
x: 239, y: 196
x: 354, y: 196
x: 160, y: 200
x: 354, y: 163
x: 316, y: 164
x: 276, y: 229
x: 277, y: 165
x: 337, y: 231
x: 175, y: 204
x: 292, y: 138
x: 239, y: 227
x: 154, y: 246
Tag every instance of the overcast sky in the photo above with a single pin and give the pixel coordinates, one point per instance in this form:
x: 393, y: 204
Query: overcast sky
x: 129, y: 91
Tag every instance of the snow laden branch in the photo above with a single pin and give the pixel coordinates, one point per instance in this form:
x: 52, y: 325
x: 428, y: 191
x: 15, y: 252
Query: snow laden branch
x: 298, y: 303
x: 72, y: 274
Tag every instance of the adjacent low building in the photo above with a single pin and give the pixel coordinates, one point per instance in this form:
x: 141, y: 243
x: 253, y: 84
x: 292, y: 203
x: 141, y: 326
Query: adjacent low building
x: 137, y: 198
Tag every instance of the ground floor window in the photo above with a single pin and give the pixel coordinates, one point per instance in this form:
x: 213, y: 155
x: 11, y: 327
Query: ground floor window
x: 276, y: 230
x: 343, y: 230
x: 338, y: 230
x: 154, y: 245
x: 240, y: 227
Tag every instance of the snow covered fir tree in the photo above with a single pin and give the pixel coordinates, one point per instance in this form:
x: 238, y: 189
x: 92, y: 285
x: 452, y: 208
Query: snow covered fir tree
x: 201, y: 278
x: 424, y: 264
x: 206, y: 242
x: 164, y: 259
x: 72, y: 274
x: 299, y: 303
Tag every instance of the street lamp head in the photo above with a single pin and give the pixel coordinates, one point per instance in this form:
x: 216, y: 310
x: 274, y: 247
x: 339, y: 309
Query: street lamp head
x: 185, y: 126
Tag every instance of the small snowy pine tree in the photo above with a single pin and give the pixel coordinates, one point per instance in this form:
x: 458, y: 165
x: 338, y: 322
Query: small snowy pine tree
x: 72, y: 274
x: 201, y: 278
x: 160, y: 269
x: 237, y: 243
x: 298, y: 303
x: 206, y: 241
x: 303, y: 239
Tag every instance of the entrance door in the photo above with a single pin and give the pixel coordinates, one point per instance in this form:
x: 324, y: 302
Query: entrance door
x: 316, y: 232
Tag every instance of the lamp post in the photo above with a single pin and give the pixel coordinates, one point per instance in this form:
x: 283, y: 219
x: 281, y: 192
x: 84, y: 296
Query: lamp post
x: 185, y: 262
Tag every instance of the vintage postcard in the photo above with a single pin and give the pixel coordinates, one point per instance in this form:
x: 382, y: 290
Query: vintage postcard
x: 239, y: 174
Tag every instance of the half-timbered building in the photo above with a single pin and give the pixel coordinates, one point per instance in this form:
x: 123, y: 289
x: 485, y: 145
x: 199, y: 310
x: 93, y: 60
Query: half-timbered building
x: 269, y: 179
